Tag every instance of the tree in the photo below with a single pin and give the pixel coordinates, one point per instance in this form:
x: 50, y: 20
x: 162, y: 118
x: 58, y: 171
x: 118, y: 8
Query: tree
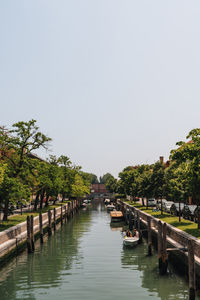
x: 2, y: 172
x: 126, y: 180
x: 176, y: 177
x: 105, y: 178
x: 16, y: 146
x: 12, y: 190
x: 79, y: 189
x: 144, y: 182
x: 111, y: 185
x: 189, y: 153
x: 66, y: 174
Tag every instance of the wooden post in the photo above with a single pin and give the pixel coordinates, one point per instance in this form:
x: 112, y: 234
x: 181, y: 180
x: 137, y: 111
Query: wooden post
x: 130, y: 220
x: 125, y: 213
x: 138, y: 221
x: 16, y: 242
x: 138, y: 227
x: 135, y: 224
x: 68, y: 209
x: 28, y: 226
x: 191, y: 270
x: 75, y: 204
x: 65, y: 214
x: 71, y: 208
x: 54, y: 219
x: 61, y: 215
x: 164, y: 263
x: 149, y: 236
x: 159, y: 245
x: 32, y: 234
x: 41, y: 227
x: 49, y: 223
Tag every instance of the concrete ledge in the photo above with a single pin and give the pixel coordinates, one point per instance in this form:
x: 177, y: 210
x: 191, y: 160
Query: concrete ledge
x: 15, y: 236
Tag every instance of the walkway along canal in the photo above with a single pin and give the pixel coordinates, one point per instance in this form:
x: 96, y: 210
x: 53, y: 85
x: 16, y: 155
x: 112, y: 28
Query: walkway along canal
x: 85, y: 259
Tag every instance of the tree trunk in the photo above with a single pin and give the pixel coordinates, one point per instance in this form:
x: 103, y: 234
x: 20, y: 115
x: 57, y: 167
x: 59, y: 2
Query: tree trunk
x: 5, y: 211
x: 161, y: 207
x: 198, y: 217
x: 36, y: 201
x: 47, y: 201
x: 179, y: 211
x: 41, y: 200
x: 55, y: 199
x: 142, y: 201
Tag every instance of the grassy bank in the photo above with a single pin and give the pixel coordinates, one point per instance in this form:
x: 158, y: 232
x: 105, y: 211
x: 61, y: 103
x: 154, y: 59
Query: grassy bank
x: 185, y: 225
x: 17, y: 219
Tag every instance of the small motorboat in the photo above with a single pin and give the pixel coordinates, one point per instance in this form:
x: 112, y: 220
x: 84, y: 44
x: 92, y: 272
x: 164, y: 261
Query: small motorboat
x: 116, y: 216
x: 110, y: 207
x: 107, y: 201
x: 131, y: 241
x: 86, y: 201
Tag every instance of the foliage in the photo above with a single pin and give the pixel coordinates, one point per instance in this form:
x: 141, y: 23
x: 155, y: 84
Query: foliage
x: 105, y: 178
x: 79, y: 189
x: 189, y: 153
x: 22, y: 173
x: 111, y: 184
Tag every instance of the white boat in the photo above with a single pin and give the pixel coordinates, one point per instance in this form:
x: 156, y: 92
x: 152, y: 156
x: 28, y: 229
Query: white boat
x: 107, y: 201
x: 110, y: 207
x: 131, y: 241
x: 86, y: 201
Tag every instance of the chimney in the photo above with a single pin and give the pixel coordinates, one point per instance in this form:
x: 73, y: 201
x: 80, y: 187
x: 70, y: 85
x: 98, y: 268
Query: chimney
x: 161, y: 159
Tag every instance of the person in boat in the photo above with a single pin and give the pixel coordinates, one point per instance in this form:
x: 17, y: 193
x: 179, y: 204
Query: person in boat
x: 128, y: 233
x: 134, y: 232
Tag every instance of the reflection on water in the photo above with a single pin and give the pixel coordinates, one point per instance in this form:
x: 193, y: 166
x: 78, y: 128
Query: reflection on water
x: 85, y: 259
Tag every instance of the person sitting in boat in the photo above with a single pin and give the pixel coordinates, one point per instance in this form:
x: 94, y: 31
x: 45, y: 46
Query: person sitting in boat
x: 134, y: 232
x: 128, y: 233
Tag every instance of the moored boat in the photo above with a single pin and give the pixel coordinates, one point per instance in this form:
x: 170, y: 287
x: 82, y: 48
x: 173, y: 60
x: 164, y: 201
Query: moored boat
x: 107, y: 201
x: 116, y: 216
x: 110, y: 207
x: 131, y: 241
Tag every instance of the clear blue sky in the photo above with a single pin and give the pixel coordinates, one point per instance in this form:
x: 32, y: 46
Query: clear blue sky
x: 114, y: 83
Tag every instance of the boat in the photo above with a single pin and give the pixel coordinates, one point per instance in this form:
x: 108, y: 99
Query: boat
x: 116, y: 216
x: 107, y: 201
x: 110, y: 207
x: 131, y: 241
x: 87, y: 201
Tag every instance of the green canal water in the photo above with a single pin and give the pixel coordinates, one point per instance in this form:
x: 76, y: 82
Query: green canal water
x: 85, y: 259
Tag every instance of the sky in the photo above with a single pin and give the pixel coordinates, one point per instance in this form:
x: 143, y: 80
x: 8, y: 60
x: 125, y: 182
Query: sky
x: 113, y: 83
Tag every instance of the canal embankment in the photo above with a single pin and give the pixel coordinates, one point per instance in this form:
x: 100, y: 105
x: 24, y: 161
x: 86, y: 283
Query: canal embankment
x: 181, y: 248
x: 14, y: 239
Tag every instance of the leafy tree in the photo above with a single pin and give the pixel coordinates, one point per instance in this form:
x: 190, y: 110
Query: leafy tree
x: 2, y: 172
x: 16, y: 146
x: 66, y: 175
x: 158, y: 181
x: 111, y: 185
x: 126, y: 179
x: 189, y: 153
x: 105, y: 178
x: 12, y: 190
x: 176, y: 177
x: 79, y: 189
x: 144, y: 181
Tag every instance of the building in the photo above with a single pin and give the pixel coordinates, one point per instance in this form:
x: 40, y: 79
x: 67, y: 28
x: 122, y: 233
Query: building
x: 99, y: 190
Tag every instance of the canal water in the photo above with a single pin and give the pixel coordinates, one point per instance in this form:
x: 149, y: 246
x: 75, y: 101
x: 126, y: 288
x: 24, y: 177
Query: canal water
x: 85, y: 259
